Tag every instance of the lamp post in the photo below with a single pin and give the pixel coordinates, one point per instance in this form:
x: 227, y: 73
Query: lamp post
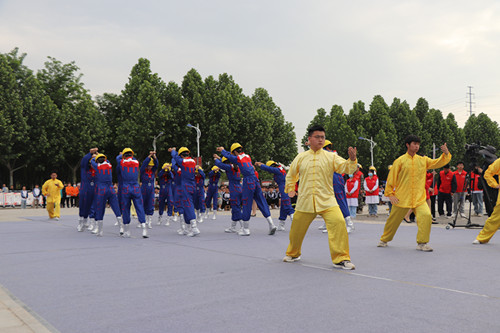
x: 198, y: 136
x: 372, y: 144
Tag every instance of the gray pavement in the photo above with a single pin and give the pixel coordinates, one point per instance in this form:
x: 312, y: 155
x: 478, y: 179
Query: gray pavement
x: 58, y: 280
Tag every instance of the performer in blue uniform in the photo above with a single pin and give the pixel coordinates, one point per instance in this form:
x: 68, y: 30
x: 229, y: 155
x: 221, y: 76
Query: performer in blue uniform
x: 187, y: 165
x: 199, y: 202
x: 128, y: 171
x: 148, y: 176
x: 339, y: 189
x: 178, y: 194
x: 104, y: 191
x: 235, y: 191
x: 165, y: 177
x: 213, y: 191
x: 251, y: 187
x: 87, y: 191
x: 279, y: 173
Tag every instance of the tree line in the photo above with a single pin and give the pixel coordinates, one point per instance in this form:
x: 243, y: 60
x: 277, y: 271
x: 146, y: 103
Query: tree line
x: 388, y: 125
x: 49, y: 120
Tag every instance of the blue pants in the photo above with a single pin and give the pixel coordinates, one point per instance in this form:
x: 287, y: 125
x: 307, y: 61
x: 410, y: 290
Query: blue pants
x: 352, y: 211
x: 188, y: 202
x: 199, y: 203
x: 105, y: 193
x: 253, y: 191
x: 477, y: 200
x: 132, y: 192
x: 235, y: 193
x: 285, y: 207
x: 166, y: 198
x: 178, y: 198
x: 342, y: 202
x: 212, y: 195
x: 372, y: 209
x: 148, y: 198
x: 86, y: 209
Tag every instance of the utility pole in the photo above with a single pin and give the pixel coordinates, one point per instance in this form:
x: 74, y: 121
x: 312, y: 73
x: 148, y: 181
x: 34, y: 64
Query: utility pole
x: 470, y: 102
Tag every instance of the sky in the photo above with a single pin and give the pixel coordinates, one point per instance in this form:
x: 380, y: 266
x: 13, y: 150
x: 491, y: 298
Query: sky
x: 306, y: 54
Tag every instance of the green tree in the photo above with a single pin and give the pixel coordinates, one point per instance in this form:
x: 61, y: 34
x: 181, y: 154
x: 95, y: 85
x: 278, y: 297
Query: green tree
x: 405, y: 122
x: 81, y: 125
x: 143, y: 113
x: 339, y: 132
x: 482, y: 130
x: 321, y: 118
x: 457, y: 146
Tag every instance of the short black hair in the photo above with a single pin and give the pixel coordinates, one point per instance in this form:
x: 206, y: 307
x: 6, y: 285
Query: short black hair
x: 460, y: 162
x: 411, y: 138
x: 315, y: 128
x: 447, y: 166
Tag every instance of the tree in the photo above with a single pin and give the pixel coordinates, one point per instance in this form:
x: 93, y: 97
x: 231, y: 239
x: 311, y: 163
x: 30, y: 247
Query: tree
x: 321, y: 118
x: 143, y: 114
x: 13, y: 126
x: 482, y: 130
x: 405, y: 122
x: 457, y: 146
x: 339, y: 132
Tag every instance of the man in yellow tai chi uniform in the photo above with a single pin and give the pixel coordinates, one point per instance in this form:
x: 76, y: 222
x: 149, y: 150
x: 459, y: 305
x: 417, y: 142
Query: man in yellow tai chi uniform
x: 51, y: 189
x: 314, y: 170
x: 405, y: 188
x: 493, y: 222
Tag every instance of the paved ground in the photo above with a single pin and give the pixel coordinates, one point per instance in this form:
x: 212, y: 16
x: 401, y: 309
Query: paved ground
x: 55, y: 279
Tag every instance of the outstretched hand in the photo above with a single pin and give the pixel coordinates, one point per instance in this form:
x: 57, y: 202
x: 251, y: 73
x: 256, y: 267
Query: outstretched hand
x: 216, y: 157
x: 444, y: 149
x: 352, y: 153
x: 258, y: 164
x: 219, y: 149
x: 170, y: 149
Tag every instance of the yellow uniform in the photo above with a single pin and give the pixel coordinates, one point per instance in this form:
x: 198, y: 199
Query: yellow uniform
x: 406, y: 181
x: 314, y: 171
x: 52, y: 190
x: 493, y: 222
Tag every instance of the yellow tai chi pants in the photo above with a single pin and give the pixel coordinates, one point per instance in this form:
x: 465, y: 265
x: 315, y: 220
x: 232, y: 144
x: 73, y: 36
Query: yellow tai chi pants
x: 54, y: 208
x: 490, y: 226
x: 424, y: 222
x: 337, y: 233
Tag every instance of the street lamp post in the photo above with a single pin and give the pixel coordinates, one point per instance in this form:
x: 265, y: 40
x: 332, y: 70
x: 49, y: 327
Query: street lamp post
x: 198, y: 136
x: 372, y: 144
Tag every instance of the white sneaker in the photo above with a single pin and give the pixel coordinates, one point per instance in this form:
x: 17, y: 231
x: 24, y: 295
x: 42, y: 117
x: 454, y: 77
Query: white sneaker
x: 476, y: 242
x: 291, y: 259
x: 322, y: 227
x: 81, y: 225
x: 424, y: 247
x: 214, y: 216
x: 479, y: 214
x: 144, y: 231
x: 324, y: 231
x: 382, y: 244
x: 159, y: 220
x: 244, y: 232
x: 346, y: 264
x: 126, y: 231
x: 463, y: 215
x: 232, y: 228
x: 281, y: 225
x: 100, y: 227
x: 57, y: 219
x: 167, y: 223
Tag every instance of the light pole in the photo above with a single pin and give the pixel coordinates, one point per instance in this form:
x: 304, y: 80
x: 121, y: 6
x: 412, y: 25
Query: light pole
x: 198, y: 136
x: 372, y: 144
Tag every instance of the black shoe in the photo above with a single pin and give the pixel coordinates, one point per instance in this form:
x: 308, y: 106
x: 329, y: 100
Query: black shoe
x: 406, y: 221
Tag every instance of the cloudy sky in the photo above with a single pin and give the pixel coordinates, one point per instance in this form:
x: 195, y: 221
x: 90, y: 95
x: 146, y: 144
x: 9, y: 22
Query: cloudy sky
x: 307, y: 54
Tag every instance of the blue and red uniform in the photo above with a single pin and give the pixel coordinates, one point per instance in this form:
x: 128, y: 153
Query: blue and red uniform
x: 104, y: 190
x: 177, y: 191
x: 165, y: 178
x: 128, y: 173
x: 235, y: 190
x: 188, y: 185
x: 251, y: 185
x: 87, y: 188
x: 339, y: 189
x: 148, y: 185
x: 280, y: 179
x: 213, y: 189
x: 199, y: 203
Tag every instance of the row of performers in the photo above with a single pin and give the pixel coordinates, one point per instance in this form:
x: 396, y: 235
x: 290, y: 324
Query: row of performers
x: 181, y: 190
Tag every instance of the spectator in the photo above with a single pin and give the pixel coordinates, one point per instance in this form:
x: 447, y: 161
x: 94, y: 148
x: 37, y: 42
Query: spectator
x: 11, y: 189
x: 477, y: 191
x: 36, y: 196
x: 226, y: 199
x: 24, y: 197
x: 5, y: 189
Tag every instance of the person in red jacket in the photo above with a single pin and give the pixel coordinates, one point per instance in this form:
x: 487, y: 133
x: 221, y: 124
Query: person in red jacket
x: 444, y: 187
x: 459, y: 189
x: 477, y: 190
x: 371, y: 191
x: 431, y: 192
x: 352, y: 192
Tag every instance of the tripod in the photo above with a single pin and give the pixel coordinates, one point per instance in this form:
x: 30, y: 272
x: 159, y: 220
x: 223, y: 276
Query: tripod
x: 469, y: 184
